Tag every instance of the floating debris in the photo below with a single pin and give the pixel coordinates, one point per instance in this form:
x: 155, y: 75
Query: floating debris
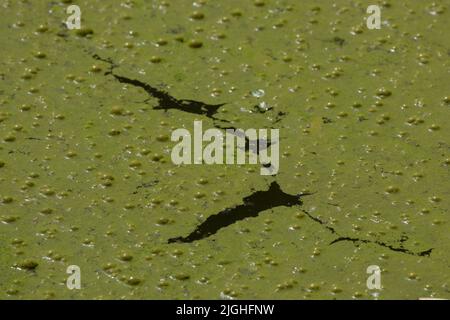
x: 264, y: 106
x: 258, y: 93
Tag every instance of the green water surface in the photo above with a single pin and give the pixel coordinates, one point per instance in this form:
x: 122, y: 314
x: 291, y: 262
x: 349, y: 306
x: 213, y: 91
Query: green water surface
x: 86, y: 176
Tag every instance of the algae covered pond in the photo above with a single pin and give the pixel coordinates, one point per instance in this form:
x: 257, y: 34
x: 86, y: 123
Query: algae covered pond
x: 87, y: 179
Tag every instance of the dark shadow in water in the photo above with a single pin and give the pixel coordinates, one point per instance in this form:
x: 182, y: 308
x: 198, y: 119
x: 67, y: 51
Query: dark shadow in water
x: 258, y: 201
x: 165, y: 100
x: 252, y: 206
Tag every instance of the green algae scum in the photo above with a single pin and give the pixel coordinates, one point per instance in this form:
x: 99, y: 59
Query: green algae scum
x: 93, y: 207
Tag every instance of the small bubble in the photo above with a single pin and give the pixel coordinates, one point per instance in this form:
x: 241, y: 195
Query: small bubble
x: 71, y: 154
x: 42, y: 28
x: 84, y: 32
x: 412, y: 276
x: 157, y: 157
x: 133, y: 33
x: 258, y: 93
x: 236, y: 13
x: 163, y: 221
x: 96, y: 69
x: 392, y: 189
x: 9, y: 138
x: 117, y: 111
x: 259, y: 3
x: 7, y: 199
x: 434, y: 127
x: 135, y: 164
x: 383, y: 93
x: 161, y: 42
x: 314, y: 287
x: 199, y: 195
x: 162, y: 138
x: 125, y: 256
x: 197, y: 15
x: 435, y: 199
x: 114, y: 132
x: 179, y: 38
x: 446, y: 100
x: 28, y: 264
x: 195, y: 44
x: 155, y: 59
x: 47, y: 211
x: 40, y: 55
x: 357, y: 30
x: 9, y: 219
x: 181, y: 276
x: 155, y: 201
x: 336, y: 290
x: 132, y: 281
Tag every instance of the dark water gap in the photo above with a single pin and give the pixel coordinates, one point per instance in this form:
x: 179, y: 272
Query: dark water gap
x: 252, y: 206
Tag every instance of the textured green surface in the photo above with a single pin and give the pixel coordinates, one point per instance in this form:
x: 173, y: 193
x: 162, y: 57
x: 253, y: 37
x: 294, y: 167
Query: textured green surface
x: 86, y: 176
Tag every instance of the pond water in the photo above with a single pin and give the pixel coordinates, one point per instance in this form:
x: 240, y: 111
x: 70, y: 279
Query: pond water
x: 86, y: 176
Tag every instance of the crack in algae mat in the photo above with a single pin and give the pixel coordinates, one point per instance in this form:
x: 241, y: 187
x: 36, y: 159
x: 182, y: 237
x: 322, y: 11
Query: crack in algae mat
x: 86, y: 176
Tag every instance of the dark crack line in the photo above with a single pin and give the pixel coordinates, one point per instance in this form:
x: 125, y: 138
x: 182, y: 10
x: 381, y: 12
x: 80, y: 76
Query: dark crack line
x: 254, y: 146
x: 258, y: 201
x: 385, y: 245
x: 165, y: 100
x: 146, y: 185
x: 252, y: 206
x: 315, y: 219
x: 367, y: 241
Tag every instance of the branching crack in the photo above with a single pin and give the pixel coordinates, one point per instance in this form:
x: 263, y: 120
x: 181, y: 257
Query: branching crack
x: 166, y: 102
x: 259, y: 200
x: 357, y: 241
